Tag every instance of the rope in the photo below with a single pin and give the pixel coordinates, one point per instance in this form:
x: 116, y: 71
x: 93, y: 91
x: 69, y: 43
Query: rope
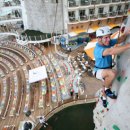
x: 121, y: 24
x: 119, y: 35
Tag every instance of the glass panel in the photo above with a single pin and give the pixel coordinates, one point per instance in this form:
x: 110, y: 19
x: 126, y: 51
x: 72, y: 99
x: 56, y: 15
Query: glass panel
x: 100, y: 10
x: 110, y: 8
x: 71, y: 16
x: 84, y: 2
x: 91, y: 11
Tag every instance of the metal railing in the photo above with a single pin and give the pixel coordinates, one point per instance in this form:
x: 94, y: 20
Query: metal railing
x: 100, y: 15
x: 65, y: 105
x: 75, y: 3
x: 10, y: 3
x: 9, y: 18
x: 84, y: 2
x: 83, y: 18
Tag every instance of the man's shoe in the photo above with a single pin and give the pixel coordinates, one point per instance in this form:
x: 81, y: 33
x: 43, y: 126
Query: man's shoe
x: 110, y: 94
x: 104, y: 102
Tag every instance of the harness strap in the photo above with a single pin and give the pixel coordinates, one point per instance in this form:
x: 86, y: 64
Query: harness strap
x: 103, y: 67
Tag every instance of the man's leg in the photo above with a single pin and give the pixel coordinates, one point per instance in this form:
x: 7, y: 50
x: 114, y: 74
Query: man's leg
x: 44, y: 124
x: 107, y: 76
x: 103, y: 96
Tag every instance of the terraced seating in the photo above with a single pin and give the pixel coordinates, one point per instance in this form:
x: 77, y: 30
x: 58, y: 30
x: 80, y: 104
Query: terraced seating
x: 27, y: 98
x: 54, y: 93
x: 21, y: 78
x: 9, y: 61
x: 13, y: 54
x: 68, y: 67
x: 9, y: 127
x: 33, y: 96
x: 6, y: 97
x: 60, y: 53
x: 19, y: 106
x: 62, y: 87
x: 54, y: 96
x: 62, y: 91
x: 15, y: 96
x: 15, y: 99
x: 24, y: 50
x: 2, y: 74
x: 37, y: 62
x: 3, y: 70
x: 30, y: 53
x: 50, y: 93
x: 75, y: 83
x: 37, y: 50
x: 43, y: 91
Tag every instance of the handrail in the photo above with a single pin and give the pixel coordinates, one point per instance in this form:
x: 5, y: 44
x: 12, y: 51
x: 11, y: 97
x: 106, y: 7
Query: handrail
x: 7, y: 106
x: 9, y: 4
x: 65, y: 105
x: 20, y: 104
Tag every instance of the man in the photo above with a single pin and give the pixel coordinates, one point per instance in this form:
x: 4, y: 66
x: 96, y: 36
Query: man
x: 27, y: 126
x: 103, y: 59
x: 42, y: 121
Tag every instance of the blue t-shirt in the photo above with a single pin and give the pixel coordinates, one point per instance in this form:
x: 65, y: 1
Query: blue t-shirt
x: 100, y: 60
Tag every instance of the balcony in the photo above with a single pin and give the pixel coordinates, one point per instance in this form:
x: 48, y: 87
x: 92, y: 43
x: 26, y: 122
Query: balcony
x: 10, y: 3
x: 120, y: 12
x: 72, y: 3
x: 115, y: 0
x: 92, y: 17
x: 112, y: 14
x: 84, y: 3
x: 72, y: 19
x: 102, y: 15
x: 10, y: 16
x: 83, y: 18
x: 124, y: 0
x: 126, y: 11
x: 93, y: 2
x: 117, y: 13
x: 106, y: 1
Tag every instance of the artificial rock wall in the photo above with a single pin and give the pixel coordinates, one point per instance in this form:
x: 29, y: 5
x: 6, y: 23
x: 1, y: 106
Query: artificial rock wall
x: 41, y: 16
x: 117, y: 114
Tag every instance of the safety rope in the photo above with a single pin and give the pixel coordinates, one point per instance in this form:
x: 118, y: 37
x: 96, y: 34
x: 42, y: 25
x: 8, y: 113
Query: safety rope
x: 114, y: 57
x: 121, y: 24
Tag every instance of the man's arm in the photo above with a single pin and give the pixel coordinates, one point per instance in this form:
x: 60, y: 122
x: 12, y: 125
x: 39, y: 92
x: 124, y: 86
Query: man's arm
x: 116, y: 50
x: 122, y: 38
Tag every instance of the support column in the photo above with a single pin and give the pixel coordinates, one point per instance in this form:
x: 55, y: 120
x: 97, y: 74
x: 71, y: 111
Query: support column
x: 24, y: 15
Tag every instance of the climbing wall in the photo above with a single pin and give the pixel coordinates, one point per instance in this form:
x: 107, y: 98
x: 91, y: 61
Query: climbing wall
x: 117, y: 114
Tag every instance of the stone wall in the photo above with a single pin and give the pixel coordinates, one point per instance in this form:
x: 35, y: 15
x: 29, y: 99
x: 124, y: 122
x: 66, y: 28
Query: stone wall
x: 41, y: 16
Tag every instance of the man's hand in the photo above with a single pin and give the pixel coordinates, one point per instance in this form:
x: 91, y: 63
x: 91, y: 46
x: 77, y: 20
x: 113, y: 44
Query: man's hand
x: 127, y: 31
x: 122, y: 38
x: 128, y: 45
x: 116, y: 50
